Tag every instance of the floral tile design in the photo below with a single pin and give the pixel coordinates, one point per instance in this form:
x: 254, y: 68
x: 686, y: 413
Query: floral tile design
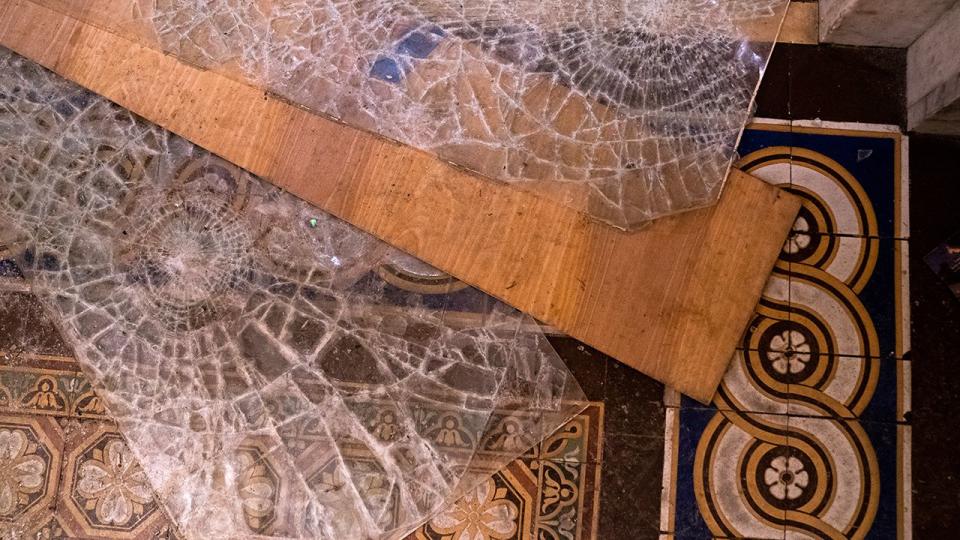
x: 551, y: 492
x: 105, y: 492
x: 807, y: 436
x: 552, y: 496
x: 499, y: 508
x: 62, y: 391
x: 31, y: 452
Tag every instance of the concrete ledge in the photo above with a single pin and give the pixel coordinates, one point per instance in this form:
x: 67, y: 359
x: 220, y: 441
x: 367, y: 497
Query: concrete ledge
x: 878, y: 23
x: 933, y: 77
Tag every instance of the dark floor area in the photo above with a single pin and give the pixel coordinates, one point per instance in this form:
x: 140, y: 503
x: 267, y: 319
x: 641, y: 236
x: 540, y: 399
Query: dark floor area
x: 835, y: 83
x: 935, y: 190
x: 632, y: 444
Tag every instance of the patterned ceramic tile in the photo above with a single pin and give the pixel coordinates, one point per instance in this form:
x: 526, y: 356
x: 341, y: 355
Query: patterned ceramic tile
x: 31, y: 453
x: 567, y: 500
x: 94, y: 487
x: 580, y: 440
x: 851, y: 177
x: 265, y: 481
x: 550, y: 492
x: 38, y: 374
x: 26, y: 388
x: 503, y: 507
x: 105, y: 492
x: 852, y: 473
x: 553, y: 496
x: 805, y: 437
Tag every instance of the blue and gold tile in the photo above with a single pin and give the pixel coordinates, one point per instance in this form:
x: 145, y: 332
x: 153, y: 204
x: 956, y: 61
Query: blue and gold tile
x: 851, y: 178
x: 808, y: 436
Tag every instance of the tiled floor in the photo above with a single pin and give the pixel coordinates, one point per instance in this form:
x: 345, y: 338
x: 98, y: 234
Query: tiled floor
x: 65, y: 471
x: 304, y: 380
x: 810, y: 435
x: 806, y: 437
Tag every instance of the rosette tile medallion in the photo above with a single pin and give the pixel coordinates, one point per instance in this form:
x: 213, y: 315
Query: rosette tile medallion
x: 625, y: 110
x: 225, y: 326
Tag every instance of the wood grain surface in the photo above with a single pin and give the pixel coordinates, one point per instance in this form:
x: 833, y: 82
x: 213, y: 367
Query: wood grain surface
x: 670, y: 300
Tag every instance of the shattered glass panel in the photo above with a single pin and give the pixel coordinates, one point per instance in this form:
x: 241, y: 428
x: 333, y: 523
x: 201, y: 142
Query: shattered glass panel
x: 625, y: 109
x: 235, y: 332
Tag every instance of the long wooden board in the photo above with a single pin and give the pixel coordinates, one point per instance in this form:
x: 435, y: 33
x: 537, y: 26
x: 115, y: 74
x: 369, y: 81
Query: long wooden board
x: 671, y: 300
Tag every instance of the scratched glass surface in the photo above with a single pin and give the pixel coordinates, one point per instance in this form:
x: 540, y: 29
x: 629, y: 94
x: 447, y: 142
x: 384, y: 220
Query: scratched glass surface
x: 627, y: 110
x: 239, y: 335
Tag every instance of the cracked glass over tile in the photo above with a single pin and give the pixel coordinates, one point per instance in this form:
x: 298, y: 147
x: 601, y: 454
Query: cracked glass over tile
x: 236, y: 335
x: 625, y: 109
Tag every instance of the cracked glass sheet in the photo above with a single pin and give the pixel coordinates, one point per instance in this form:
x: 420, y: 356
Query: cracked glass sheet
x: 626, y: 110
x: 233, y: 331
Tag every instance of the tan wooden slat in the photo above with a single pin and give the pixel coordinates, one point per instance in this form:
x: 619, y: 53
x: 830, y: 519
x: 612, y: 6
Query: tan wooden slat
x: 670, y: 300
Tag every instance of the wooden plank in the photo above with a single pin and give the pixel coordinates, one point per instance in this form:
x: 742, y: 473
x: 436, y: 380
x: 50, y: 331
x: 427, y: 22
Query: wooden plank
x: 801, y: 23
x: 671, y: 300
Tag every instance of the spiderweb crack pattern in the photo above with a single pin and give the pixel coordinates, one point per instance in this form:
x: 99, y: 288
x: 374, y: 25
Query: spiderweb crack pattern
x: 232, y: 333
x: 625, y: 109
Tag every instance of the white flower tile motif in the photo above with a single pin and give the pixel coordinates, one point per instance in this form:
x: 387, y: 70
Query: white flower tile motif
x: 483, y: 513
x: 31, y: 449
x: 785, y: 478
x: 110, y: 480
x: 105, y: 492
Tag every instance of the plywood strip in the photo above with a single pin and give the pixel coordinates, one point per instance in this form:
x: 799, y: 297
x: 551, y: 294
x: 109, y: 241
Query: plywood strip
x: 671, y: 300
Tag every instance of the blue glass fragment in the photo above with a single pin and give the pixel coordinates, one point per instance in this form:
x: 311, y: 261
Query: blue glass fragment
x: 387, y: 69
x: 419, y: 45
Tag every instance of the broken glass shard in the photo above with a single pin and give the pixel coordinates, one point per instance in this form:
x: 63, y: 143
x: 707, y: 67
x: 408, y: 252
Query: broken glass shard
x: 239, y: 335
x: 625, y: 110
